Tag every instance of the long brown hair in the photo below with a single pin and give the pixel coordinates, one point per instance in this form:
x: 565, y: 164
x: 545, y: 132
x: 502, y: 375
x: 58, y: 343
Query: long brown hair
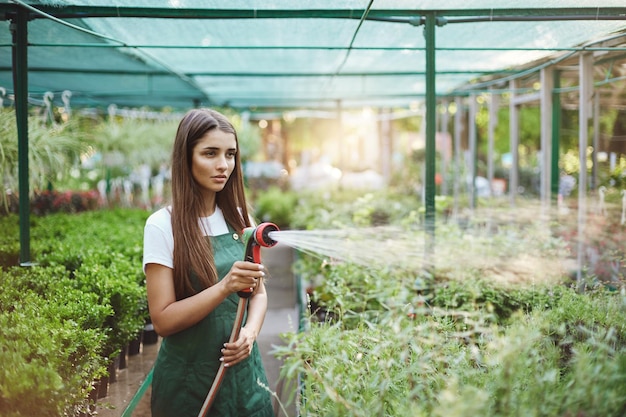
x: 192, y: 251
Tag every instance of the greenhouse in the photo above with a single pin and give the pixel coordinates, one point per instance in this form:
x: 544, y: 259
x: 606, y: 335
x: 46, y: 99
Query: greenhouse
x: 448, y: 181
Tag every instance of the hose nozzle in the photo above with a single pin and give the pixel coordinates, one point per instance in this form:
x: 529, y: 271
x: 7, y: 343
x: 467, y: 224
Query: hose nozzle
x: 254, y: 238
x: 261, y: 234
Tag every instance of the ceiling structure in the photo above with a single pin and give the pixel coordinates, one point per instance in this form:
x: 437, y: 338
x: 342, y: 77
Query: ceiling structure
x: 280, y: 55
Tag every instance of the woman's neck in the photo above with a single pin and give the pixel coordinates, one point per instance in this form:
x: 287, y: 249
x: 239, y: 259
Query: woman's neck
x: 209, y: 206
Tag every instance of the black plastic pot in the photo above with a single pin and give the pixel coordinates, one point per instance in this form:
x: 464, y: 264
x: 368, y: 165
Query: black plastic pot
x: 150, y: 337
x: 134, y: 347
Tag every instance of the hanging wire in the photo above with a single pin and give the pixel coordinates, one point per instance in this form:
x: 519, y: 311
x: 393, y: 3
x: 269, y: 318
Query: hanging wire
x: 172, y: 70
x: 350, y: 46
x: 63, y: 22
x: 363, y: 18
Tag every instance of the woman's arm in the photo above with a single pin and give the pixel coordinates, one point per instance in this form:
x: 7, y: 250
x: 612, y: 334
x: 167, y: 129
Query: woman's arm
x: 170, y: 316
x: 240, y: 349
x: 257, y: 307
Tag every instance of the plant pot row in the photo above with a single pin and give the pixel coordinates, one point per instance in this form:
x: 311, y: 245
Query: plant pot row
x: 146, y: 337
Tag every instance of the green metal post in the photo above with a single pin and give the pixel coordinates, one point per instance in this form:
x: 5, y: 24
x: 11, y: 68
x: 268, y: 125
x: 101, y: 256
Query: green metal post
x: 19, y: 29
x: 431, y: 121
x: 556, y: 134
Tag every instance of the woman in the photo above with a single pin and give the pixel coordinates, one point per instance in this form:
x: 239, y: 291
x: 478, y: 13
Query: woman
x: 194, y: 268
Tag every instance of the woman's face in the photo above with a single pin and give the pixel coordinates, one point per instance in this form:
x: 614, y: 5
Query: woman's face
x: 213, y: 160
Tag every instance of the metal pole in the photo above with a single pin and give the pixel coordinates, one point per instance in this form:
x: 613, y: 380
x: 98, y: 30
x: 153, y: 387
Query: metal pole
x: 473, y: 149
x: 556, y: 133
x: 494, y: 102
x: 547, y: 80
x: 458, y: 126
x: 19, y: 31
x: 431, y: 121
x: 596, y: 141
x: 445, y: 155
x: 342, y: 163
x: 385, y: 143
x: 514, y: 138
x: 586, y: 90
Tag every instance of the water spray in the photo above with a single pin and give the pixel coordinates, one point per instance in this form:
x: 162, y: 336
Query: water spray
x: 253, y: 238
x: 500, y: 244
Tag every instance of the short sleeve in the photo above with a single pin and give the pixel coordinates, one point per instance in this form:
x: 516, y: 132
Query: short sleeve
x: 158, y: 240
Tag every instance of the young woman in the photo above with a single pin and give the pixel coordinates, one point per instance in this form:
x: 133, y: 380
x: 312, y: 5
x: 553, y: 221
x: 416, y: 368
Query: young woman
x: 193, y: 264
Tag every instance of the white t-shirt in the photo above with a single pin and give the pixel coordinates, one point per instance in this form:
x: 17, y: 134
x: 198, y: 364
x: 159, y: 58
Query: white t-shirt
x: 158, y: 239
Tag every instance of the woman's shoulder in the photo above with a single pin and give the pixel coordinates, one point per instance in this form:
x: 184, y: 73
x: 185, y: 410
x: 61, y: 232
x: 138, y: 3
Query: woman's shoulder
x: 161, y: 218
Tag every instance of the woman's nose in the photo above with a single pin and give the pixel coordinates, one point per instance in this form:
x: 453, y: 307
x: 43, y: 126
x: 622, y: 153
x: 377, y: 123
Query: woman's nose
x: 222, y: 163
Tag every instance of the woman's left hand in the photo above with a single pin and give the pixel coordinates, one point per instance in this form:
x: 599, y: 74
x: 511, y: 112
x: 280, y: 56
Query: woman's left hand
x: 240, y: 349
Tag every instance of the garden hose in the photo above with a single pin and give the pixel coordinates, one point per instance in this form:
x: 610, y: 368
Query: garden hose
x: 254, y: 238
x: 128, y: 412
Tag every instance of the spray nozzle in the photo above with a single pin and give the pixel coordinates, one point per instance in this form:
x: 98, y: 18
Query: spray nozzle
x: 262, y: 234
x: 254, y: 238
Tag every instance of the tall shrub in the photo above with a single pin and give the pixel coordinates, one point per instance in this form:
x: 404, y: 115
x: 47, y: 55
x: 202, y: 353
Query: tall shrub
x: 50, y: 344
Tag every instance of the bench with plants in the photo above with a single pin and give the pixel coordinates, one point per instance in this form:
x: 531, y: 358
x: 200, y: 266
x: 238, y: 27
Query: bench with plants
x: 498, y: 328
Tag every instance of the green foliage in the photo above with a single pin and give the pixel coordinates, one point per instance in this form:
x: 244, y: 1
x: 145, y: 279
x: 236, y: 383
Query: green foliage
x: 125, y: 143
x: 53, y: 151
x: 112, y: 271
x: 346, y: 290
x: 567, y: 360
x: 69, y: 316
x: 336, y: 210
x: 500, y: 301
x: 490, y: 327
x: 617, y: 177
x: 9, y: 243
x: 276, y: 206
x: 116, y: 284
x: 457, y: 364
x: 51, y: 342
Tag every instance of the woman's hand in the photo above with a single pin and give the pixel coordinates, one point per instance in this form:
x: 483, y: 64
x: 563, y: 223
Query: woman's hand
x: 240, y: 349
x: 243, y: 275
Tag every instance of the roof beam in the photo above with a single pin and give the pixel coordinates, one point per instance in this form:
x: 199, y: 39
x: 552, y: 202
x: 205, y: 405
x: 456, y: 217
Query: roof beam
x: 257, y: 74
x: 548, y: 13
x: 321, y: 48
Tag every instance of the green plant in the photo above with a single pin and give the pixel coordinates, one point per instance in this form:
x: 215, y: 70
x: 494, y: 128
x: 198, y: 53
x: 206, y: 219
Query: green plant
x: 489, y: 327
x: 101, y: 251
x: 329, y: 210
x: 566, y: 359
x: 51, y: 343
x: 115, y: 284
x: 53, y: 151
x: 85, y: 298
x: 276, y: 206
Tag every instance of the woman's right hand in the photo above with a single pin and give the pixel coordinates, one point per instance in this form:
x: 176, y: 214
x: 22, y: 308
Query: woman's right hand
x: 243, y: 275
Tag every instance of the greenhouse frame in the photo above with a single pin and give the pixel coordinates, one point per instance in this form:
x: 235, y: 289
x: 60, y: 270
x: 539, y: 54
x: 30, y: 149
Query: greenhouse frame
x: 272, y: 58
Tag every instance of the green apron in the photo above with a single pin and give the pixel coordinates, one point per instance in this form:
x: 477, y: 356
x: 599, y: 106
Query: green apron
x: 188, y: 361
